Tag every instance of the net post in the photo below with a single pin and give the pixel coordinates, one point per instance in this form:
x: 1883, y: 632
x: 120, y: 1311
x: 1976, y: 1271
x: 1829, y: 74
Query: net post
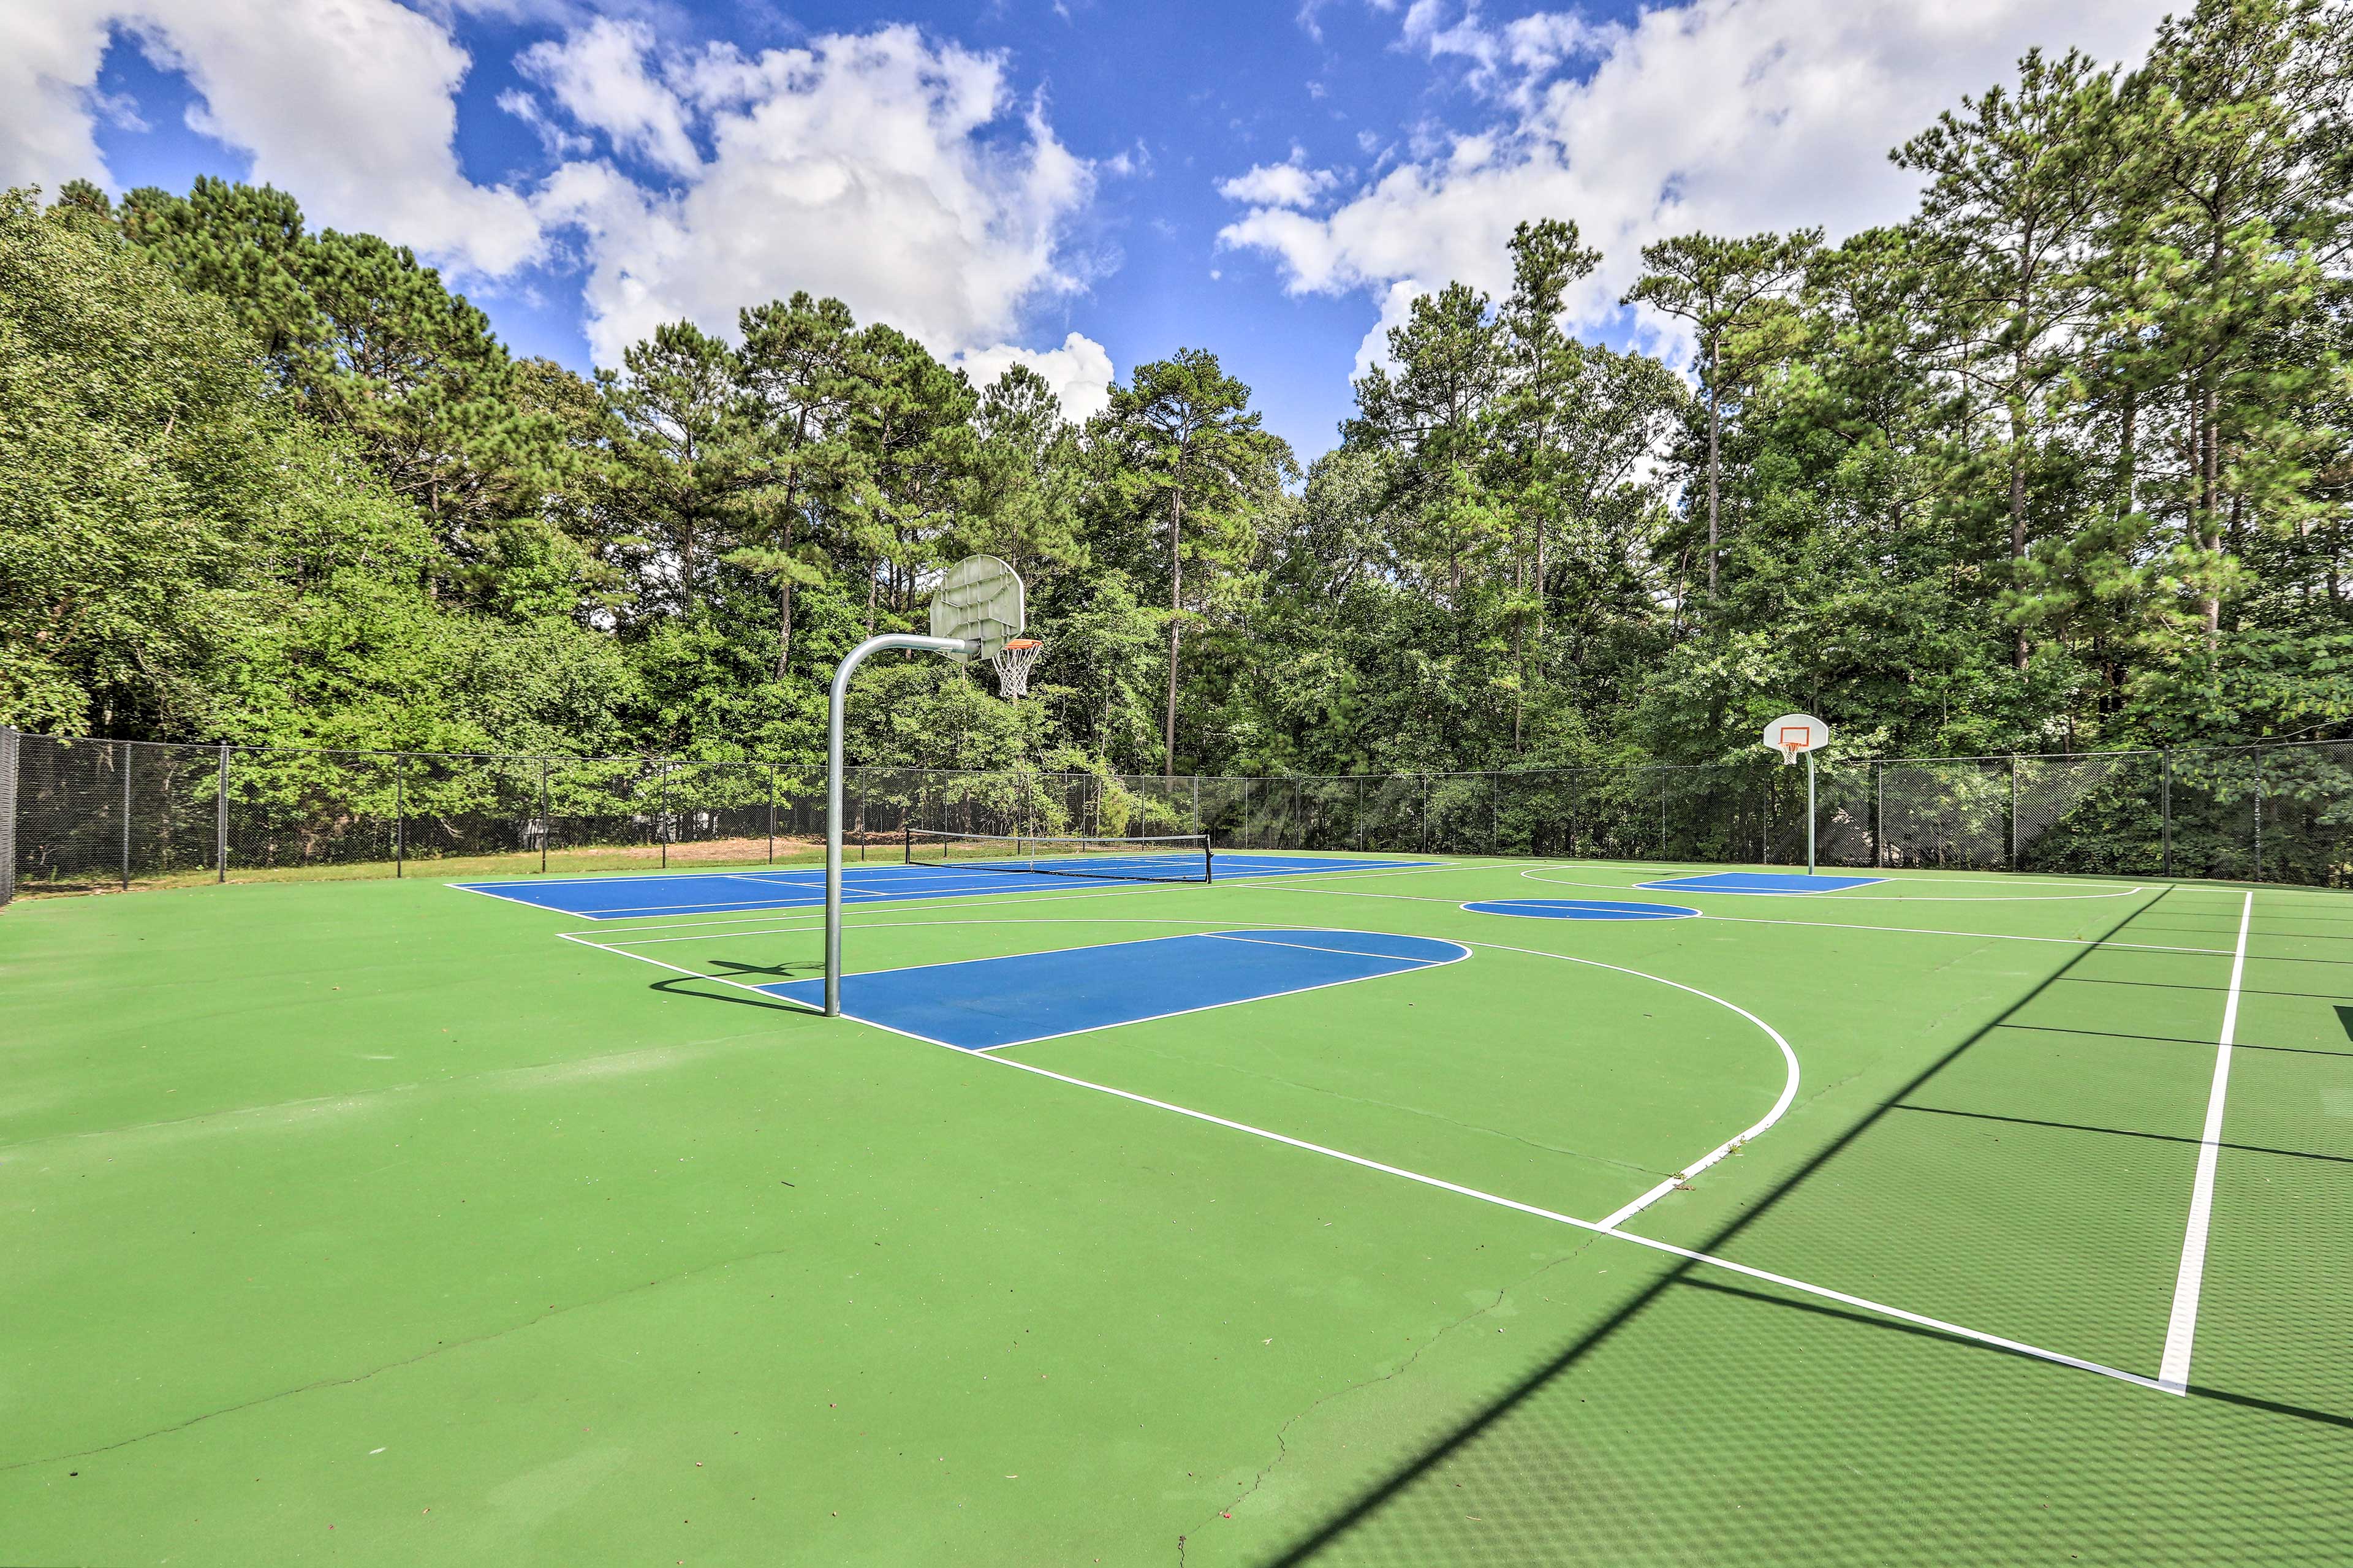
x: 2165, y: 805
x: 221, y: 818
x: 2014, y: 811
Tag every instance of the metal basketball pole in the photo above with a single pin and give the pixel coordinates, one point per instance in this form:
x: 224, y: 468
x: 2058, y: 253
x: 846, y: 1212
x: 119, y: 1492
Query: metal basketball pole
x: 1810, y: 813
x: 840, y: 695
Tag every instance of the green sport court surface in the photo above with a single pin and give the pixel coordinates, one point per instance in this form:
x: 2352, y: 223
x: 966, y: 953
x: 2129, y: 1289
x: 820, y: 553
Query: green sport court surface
x: 377, y: 1222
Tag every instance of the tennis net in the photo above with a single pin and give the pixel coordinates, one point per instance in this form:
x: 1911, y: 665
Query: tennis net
x: 1174, y: 857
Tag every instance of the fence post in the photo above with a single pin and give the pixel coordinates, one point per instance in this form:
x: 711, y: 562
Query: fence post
x: 1878, y: 816
x: 9, y: 741
x: 400, y: 813
x: 2259, y: 815
x: 1197, y: 803
x: 1663, y: 814
x: 128, y: 753
x: 2165, y: 805
x: 2014, y: 811
x: 771, y: 814
x: 1425, y: 813
x: 9, y: 744
x: 663, y: 827
x: 1494, y: 816
x: 546, y: 823
x: 221, y: 818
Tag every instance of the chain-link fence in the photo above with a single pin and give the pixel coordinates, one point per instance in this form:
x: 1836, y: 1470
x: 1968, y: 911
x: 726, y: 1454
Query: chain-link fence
x: 78, y: 814
x: 7, y: 815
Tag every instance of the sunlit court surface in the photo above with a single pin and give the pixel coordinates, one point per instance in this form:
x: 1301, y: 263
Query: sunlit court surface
x: 1351, y: 1209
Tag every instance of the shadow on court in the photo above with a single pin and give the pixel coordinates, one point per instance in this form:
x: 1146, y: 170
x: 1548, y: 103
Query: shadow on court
x: 1615, y: 1469
x: 714, y: 987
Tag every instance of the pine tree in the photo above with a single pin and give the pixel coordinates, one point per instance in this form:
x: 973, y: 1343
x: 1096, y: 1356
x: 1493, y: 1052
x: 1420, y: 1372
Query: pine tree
x: 1733, y: 292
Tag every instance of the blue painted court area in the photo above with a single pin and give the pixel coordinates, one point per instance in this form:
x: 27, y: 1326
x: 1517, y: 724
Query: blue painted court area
x: 987, y: 1003
x: 643, y: 895
x: 1770, y: 883
x: 1580, y: 909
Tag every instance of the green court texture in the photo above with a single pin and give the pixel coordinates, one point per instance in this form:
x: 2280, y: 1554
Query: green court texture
x: 377, y: 1222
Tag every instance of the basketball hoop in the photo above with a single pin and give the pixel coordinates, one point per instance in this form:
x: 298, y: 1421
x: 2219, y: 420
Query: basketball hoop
x: 1795, y: 734
x: 1013, y: 662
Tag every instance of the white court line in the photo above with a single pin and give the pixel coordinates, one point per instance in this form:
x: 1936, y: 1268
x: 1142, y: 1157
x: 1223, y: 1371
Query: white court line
x: 735, y: 924
x: 2181, y: 1328
x: 1667, y: 885
x: 920, y: 901
x: 1653, y: 871
x: 463, y: 887
x: 1415, y: 966
x: 1151, y: 1017
x: 1643, y: 1201
x: 672, y: 873
x: 1824, y: 925
x: 865, y: 895
x: 1341, y: 952
x: 804, y: 897
x: 1655, y: 885
x: 1785, y: 1281
x: 695, y: 973
x: 627, y: 939
x: 1789, y: 1086
x: 1606, y: 1228
x: 1530, y: 909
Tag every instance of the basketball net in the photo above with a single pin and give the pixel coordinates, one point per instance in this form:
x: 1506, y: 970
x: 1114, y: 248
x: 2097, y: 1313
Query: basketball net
x: 1792, y: 745
x: 1013, y: 662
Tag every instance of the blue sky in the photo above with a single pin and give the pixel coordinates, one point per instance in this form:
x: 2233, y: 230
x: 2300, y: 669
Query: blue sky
x: 1082, y: 184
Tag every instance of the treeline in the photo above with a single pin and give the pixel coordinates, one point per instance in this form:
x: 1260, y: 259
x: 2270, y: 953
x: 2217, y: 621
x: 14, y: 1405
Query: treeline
x: 2059, y: 463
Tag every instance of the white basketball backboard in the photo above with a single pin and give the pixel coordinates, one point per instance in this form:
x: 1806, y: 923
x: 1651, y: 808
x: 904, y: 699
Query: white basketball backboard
x: 1794, y: 734
x: 979, y: 597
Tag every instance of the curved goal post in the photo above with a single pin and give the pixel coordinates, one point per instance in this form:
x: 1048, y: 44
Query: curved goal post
x: 976, y: 608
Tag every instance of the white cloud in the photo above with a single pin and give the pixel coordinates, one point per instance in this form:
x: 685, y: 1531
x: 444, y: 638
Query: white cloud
x: 1080, y: 371
x: 559, y: 142
x: 351, y: 104
x: 48, y: 78
x: 898, y: 173
x: 1729, y: 116
x: 893, y: 173
x: 599, y: 77
x: 1278, y: 185
x: 1396, y: 304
